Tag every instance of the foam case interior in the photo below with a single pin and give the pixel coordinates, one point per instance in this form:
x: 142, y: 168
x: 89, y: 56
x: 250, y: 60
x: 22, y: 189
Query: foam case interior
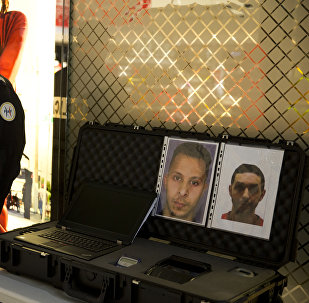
x: 129, y: 157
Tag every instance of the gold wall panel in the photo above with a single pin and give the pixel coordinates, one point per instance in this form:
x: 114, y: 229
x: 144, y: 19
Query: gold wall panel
x: 235, y: 67
x: 205, y: 67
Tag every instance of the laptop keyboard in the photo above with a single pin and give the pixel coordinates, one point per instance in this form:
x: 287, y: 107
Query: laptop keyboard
x: 91, y: 244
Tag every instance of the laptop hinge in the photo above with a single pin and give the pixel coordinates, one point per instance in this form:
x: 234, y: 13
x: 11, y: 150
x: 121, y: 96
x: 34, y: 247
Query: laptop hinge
x: 119, y: 242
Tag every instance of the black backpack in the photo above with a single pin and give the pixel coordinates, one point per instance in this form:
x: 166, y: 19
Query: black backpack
x: 12, y: 137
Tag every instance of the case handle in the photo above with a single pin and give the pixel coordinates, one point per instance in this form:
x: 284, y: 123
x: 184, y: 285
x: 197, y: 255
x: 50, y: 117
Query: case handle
x: 77, y: 291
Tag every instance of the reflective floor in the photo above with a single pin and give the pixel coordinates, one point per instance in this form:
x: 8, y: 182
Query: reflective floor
x: 17, y: 220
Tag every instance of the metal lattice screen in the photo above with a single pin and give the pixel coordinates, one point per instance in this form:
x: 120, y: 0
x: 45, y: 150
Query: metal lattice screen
x: 239, y: 67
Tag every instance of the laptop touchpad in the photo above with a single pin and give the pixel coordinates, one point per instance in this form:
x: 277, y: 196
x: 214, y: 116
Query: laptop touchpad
x: 52, y: 244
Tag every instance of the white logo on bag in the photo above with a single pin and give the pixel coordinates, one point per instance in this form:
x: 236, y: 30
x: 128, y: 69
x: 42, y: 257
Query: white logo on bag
x: 7, y: 111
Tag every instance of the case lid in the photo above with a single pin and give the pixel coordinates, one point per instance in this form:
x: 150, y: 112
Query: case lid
x: 130, y: 157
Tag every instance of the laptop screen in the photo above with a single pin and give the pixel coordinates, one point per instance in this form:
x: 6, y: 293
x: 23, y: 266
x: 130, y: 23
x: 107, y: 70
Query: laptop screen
x: 108, y: 211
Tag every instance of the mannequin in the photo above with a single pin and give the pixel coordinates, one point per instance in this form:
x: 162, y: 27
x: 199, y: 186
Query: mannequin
x: 13, y: 31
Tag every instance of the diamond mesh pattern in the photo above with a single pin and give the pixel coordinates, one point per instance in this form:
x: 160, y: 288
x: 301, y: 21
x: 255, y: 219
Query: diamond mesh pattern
x: 199, y: 68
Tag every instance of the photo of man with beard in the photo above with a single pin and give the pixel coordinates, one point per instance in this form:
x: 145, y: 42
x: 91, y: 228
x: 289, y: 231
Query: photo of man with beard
x: 186, y: 181
x: 246, y: 191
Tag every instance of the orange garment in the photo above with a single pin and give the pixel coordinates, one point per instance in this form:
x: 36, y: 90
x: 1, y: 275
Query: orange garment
x: 4, y: 219
x: 13, y: 31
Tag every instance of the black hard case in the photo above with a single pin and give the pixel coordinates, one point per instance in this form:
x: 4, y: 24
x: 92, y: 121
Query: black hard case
x: 243, y: 269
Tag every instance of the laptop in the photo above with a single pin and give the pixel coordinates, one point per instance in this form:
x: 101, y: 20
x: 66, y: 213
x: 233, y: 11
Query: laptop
x: 101, y: 219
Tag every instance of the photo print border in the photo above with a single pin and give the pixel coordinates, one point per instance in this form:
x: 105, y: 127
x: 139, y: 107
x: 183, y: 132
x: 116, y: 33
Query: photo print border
x: 200, y: 213
x: 269, y: 161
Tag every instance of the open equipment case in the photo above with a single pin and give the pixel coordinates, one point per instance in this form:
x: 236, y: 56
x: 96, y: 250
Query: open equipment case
x: 170, y: 260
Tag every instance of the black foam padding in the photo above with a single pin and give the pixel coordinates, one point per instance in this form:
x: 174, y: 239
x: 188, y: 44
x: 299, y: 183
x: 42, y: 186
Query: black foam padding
x: 125, y: 159
x: 273, y: 252
x: 131, y: 158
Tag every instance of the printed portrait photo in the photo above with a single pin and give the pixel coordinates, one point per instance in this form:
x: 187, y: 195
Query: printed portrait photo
x: 247, y: 190
x: 186, y: 179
